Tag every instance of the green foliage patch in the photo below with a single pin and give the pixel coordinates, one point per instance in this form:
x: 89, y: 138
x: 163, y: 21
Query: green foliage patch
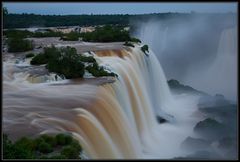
x: 29, y: 55
x: 19, y: 44
x: 128, y: 44
x: 72, y: 36
x: 107, y: 33
x: 65, y: 61
x: 89, y: 59
x: 98, y: 71
x: 42, y: 147
x: 144, y: 48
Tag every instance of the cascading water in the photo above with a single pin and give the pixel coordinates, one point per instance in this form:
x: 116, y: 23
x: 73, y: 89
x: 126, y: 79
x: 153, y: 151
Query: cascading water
x: 221, y: 75
x: 116, y: 120
x: 225, y: 65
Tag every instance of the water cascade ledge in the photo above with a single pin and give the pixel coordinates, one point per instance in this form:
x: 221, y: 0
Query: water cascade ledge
x: 116, y: 120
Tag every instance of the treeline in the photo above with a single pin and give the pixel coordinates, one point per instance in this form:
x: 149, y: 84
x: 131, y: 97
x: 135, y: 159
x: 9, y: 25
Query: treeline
x: 106, y: 33
x: 12, y: 33
x: 31, y: 20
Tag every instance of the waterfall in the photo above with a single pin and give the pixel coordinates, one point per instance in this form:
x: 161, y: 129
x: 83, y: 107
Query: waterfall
x: 116, y: 120
x: 139, y: 92
x: 221, y: 75
x: 225, y: 65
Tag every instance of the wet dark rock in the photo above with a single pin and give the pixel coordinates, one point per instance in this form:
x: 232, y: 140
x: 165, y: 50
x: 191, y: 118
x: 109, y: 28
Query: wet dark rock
x: 176, y: 87
x: 226, y: 113
x: 210, y: 129
x: 217, y: 100
x: 195, y: 144
x: 228, y: 147
x: 161, y: 120
x: 204, y: 155
x: 227, y: 143
x: 38, y: 47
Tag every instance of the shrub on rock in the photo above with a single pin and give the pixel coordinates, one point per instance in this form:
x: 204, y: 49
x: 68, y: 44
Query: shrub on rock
x: 98, y: 71
x: 29, y: 55
x: 145, y: 49
x: 70, y: 152
x: 128, y: 44
x: 45, y: 147
x: 210, y: 129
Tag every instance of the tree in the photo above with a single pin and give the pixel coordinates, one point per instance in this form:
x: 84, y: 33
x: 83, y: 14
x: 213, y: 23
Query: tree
x: 45, y: 147
x: 19, y: 45
x: 66, y: 62
x: 70, y: 152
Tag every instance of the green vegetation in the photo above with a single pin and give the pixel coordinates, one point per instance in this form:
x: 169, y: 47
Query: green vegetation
x: 66, y: 61
x: 17, y: 33
x: 144, y: 48
x: 18, y: 44
x: 63, y: 139
x: 28, y: 20
x: 42, y: 147
x: 29, y: 55
x: 45, y: 147
x: 16, y: 40
x: 43, y: 58
x: 107, y: 33
x: 12, y: 33
x: 131, y: 41
x: 135, y: 40
x: 39, y: 59
x: 14, y: 151
x: 72, y: 36
x: 49, y: 140
x: 128, y: 44
x: 98, y: 71
x: 89, y: 59
x: 70, y: 152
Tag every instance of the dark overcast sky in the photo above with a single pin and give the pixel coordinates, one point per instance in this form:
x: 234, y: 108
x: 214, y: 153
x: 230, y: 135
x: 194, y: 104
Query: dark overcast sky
x: 116, y: 8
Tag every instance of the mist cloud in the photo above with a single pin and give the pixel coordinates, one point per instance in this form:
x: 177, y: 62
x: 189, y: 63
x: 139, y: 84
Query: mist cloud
x: 197, y: 49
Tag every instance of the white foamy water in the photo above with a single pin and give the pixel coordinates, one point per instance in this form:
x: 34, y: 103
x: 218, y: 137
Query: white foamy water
x: 116, y: 121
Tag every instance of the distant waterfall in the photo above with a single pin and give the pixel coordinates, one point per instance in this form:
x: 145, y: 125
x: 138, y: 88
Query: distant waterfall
x: 224, y: 68
x: 221, y: 75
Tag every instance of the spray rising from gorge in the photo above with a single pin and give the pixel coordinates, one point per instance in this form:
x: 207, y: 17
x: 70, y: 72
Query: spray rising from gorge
x: 198, y: 50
